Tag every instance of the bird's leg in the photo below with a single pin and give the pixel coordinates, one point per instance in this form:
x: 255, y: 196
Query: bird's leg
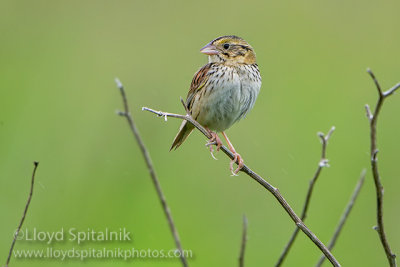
x: 237, y: 158
x: 214, y: 140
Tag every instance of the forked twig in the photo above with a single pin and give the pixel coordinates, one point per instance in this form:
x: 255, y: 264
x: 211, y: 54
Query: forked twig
x: 323, y: 162
x: 345, y: 215
x: 28, y: 202
x: 244, y: 242
x: 273, y: 190
x: 126, y: 113
x: 373, y: 118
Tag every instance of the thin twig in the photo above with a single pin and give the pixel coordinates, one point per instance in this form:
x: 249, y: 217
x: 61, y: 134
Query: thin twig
x: 373, y: 118
x: 126, y: 113
x: 244, y: 242
x: 345, y: 215
x: 323, y: 162
x: 36, y: 164
x: 273, y: 190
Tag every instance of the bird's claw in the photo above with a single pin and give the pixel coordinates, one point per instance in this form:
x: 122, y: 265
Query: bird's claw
x: 214, y: 140
x: 210, y: 145
x: 237, y: 158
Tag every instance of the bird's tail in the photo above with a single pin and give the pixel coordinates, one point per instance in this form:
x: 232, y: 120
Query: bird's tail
x: 184, y: 131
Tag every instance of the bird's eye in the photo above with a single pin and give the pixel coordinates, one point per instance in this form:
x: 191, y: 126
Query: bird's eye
x: 226, y: 46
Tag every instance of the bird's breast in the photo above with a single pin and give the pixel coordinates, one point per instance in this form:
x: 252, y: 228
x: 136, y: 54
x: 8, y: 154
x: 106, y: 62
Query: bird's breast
x: 230, y: 93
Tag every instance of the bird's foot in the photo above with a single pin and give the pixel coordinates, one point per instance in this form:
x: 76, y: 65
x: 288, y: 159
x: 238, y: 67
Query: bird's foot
x: 214, y: 140
x: 237, y: 158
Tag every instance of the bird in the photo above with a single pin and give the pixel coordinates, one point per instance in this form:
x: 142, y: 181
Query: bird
x: 222, y: 92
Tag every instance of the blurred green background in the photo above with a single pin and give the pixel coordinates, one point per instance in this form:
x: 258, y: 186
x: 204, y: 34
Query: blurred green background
x: 58, y: 101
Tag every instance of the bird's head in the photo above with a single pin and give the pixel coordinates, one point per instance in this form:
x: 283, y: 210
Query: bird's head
x: 229, y: 50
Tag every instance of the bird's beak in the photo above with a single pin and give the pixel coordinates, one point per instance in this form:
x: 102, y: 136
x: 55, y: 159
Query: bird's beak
x: 209, y: 49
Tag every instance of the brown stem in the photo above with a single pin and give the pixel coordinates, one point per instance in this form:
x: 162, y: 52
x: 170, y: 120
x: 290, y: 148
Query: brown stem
x: 273, y: 190
x: 345, y: 215
x: 323, y: 162
x: 373, y: 118
x: 244, y: 242
x: 28, y: 202
x: 126, y: 113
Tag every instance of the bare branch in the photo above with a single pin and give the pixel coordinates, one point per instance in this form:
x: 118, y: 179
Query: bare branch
x: 378, y: 87
x: 345, y: 216
x: 185, y: 107
x: 182, y: 117
x: 244, y: 242
x: 374, y: 166
x: 323, y: 162
x: 369, y: 113
x: 391, y: 90
x: 126, y: 113
x: 328, y: 135
x: 273, y: 190
x: 28, y: 202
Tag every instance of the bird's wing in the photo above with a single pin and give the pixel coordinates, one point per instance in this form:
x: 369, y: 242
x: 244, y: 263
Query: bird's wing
x: 198, y: 82
x: 197, y: 86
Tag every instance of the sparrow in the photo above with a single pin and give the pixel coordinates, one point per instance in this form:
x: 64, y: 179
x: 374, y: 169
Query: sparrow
x: 222, y: 92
